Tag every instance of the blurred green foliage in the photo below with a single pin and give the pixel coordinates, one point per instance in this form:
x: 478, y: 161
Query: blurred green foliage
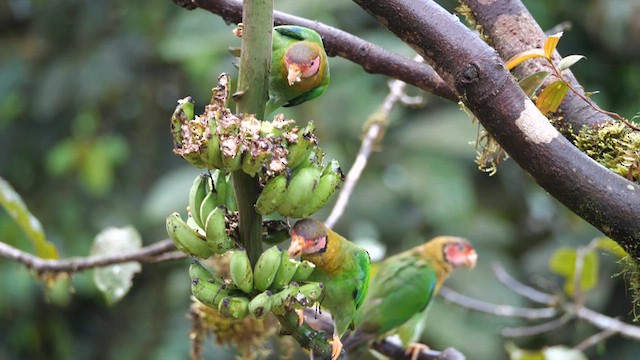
x: 86, y: 92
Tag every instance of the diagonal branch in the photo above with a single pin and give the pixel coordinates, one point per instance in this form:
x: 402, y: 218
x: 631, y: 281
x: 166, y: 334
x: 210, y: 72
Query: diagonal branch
x: 372, y: 58
x: 604, y: 199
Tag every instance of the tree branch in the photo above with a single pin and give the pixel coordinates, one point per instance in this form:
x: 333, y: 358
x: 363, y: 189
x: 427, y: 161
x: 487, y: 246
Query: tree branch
x: 495, y: 309
x: 519, y: 288
x: 372, y: 58
x: 604, y: 199
x: 511, y: 29
x: 157, y: 252
x: 253, y: 87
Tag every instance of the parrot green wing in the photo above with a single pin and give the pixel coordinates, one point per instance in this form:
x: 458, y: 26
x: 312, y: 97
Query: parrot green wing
x: 346, y: 286
x: 403, y: 287
x: 363, y: 265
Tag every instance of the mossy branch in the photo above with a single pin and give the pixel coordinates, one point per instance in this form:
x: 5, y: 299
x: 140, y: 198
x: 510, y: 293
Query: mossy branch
x: 253, y: 92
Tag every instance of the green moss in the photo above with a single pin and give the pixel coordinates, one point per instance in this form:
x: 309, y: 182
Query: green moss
x: 614, y: 145
x: 631, y: 273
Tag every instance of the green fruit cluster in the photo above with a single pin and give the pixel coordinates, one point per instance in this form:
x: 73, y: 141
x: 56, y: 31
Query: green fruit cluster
x: 206, y: 231
x: 273, y: 285
x: 285, y: 156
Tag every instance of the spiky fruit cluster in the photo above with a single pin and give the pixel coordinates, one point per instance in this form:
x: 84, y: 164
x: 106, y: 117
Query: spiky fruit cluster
x: 285, y: 156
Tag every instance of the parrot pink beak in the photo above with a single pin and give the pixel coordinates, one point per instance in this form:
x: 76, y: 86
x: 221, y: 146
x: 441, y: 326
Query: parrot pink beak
x: 294, y: 74
x: 471, y: 260
x: 296, y: 247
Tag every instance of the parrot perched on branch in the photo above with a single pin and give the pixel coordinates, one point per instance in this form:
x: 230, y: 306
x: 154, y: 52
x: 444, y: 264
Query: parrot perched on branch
x: 401, y: 290
x: 299, y: 67
x: 341, y: 266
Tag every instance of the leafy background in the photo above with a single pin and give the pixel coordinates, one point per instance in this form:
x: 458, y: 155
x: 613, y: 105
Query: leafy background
x: 86, y: 91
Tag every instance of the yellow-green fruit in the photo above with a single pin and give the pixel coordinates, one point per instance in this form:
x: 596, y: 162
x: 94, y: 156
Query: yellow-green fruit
x: 299, y: 190
x: 236, y: 307
x: 329, y: 181
x: 240, y: 270
x: 312, y: 291
x: 260, y: 305
x: 272, y: 194
x: 199, y: 190
x: 185, y: 238
x: 220, y: 187
x: 303, y: 271
x: 212, y: 158
x: 205, y: 287
x: 207, y: 206
x: 284, y: 300
x: 285, y: 272
x: 216, y: 229
x: 266, y: 268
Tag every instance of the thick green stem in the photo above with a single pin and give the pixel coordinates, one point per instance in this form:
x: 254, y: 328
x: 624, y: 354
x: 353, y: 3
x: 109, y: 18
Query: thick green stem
x: 253, y: 87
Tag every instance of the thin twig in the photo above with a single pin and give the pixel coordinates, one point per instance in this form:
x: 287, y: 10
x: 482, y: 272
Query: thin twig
x: 595, y: 339
x: 527, y: 291
x: 149, y: 254
x: 375, y: 129
x: 605, y: 322
x: 537, y: 329
x: 496, y: 309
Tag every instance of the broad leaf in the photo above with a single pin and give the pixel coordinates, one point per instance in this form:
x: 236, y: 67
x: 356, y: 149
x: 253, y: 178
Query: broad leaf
x: 568, y: 61
x: 115, y: 280
x: 563, y: 263
x: 11, y: 201
x: 532, y: 83
x: 551, y: 97
x: 550, y: 44
x: 519, y: 58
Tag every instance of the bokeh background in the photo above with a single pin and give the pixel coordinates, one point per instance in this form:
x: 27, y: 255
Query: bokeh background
x: 86, y: 92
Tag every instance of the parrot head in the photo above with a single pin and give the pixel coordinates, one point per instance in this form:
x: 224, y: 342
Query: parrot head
x: 308, y: 236
x: 458, y: 252
x: 302, y: 61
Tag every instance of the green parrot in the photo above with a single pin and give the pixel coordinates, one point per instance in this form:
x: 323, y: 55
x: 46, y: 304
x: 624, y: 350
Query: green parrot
x: 341, y: 266
x: 402, y: 288
x: 299, y: 67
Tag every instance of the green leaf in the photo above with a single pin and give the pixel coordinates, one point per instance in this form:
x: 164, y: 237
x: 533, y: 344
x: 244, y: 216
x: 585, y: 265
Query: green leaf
x: 532, y: 83
x: 115, y: 280
x: 568, y: 61
x: 13, y: 204
x: 551, y: 97
x: 563, y: 263
x: 610, y: 246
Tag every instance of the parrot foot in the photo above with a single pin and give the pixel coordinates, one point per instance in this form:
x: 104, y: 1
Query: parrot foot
x: 415, y: 349
x: 300, y: 314
x: 336, y: 347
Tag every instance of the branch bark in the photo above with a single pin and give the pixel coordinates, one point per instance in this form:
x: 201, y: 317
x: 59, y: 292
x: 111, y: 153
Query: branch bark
x: 604, y: 199
x: 372, y: 58
x: 510, y: 29
x: 149, y: 254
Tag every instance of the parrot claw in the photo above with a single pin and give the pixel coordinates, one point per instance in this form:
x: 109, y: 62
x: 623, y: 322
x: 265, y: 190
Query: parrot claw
x: 300, y: 314
x: 415, y: 349
x: 336, y: 347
